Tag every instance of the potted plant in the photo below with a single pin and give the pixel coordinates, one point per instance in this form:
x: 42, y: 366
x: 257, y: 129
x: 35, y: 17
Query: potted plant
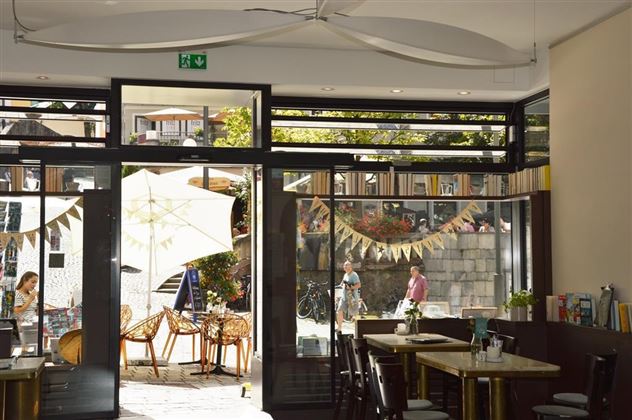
x: 411, y: 315
x: 517, y: 304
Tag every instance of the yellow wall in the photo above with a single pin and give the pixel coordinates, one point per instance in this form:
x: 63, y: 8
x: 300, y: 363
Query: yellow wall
x: 591, y: 155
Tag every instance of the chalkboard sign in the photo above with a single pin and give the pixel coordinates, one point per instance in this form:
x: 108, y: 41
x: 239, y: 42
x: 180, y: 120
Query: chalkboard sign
x: 189, y: 289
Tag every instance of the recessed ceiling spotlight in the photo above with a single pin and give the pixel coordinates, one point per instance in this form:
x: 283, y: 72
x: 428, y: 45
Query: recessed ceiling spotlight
x: 43, y: 77
x: 327, y: 89
x: 464, y: 92
x: 397, y: 90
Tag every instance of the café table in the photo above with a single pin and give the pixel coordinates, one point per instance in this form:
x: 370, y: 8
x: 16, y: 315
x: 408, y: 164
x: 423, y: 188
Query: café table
x: 468, y: 368
x: 395, y: 343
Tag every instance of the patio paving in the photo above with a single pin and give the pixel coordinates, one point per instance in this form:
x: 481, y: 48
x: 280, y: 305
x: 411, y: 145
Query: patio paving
x: 177, y: 395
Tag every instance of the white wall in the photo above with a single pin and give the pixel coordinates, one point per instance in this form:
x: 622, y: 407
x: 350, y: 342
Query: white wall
x: 591, y: 155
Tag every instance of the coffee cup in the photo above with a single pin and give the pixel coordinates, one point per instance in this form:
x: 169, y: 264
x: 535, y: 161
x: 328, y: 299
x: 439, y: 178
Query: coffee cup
x: 493, y: 352
x: 401, y: 328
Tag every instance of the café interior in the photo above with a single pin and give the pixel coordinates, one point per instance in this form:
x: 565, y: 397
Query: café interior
x: 503, y: 181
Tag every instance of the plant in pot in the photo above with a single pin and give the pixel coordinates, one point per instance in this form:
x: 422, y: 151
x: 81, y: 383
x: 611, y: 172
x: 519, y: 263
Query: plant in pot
x: 517, y: 304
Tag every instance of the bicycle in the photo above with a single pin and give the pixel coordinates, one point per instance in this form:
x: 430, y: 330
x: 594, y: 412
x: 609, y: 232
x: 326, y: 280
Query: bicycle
x: 313, y: 303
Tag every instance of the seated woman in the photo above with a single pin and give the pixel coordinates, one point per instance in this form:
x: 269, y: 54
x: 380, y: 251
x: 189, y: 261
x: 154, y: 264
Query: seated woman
x: 25, y: 306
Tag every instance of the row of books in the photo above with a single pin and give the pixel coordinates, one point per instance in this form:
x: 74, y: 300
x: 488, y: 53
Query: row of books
x: 621, y: 316
x: 530, y: 179
x: 574, y: 308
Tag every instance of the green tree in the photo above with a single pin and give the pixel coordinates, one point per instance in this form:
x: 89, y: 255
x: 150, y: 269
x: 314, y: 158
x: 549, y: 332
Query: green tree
x: 215, y: 275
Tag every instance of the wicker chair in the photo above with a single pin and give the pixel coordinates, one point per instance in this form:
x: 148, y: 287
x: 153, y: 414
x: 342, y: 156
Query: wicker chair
x: 178, y: 325
x: 125, y: 318
x: 144, y: 332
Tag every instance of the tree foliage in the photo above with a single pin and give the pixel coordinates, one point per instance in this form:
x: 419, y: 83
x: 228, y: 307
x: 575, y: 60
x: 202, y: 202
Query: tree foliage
x: 215, y: 275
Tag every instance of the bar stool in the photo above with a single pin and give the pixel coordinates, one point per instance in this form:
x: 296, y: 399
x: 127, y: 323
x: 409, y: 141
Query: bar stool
x: 595, y: 391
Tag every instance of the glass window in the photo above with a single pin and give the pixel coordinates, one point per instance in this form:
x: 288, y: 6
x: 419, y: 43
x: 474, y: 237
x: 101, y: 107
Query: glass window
x: 52, y: 122
x: 536, y: 136
x: 177, y: 116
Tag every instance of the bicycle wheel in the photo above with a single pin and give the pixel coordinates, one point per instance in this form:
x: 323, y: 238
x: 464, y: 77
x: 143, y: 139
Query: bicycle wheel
x: 316, y: 313
x: 303, y: 308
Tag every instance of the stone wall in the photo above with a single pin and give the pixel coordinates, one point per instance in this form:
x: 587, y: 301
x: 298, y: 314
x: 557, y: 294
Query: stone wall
x: 462, y: 274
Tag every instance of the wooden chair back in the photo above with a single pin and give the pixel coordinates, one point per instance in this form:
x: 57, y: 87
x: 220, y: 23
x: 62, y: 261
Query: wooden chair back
x: 595, y: 385
x: 360, y: 349
x: 392, y: 386
x: 373, y: 380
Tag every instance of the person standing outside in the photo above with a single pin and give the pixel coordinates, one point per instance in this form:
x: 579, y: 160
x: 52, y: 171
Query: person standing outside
x: 350, y: 294
x: 417, y: 286
x: 26, y: 297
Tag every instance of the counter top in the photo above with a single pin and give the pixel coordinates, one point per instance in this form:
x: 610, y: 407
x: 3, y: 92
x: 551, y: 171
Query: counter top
x: 24, y: 368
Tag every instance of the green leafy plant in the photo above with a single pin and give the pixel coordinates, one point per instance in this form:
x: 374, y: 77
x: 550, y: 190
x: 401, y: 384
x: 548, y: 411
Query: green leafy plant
x: 413, y: 312
x: 520, y: 299
x: 133, y: 138
x: 198, y: 132
x: 215, y: 275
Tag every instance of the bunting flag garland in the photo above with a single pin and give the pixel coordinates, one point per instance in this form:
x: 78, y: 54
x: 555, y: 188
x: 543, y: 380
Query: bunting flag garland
x: 63, y: 220
x: 394, y: 250
x: 31, y: 237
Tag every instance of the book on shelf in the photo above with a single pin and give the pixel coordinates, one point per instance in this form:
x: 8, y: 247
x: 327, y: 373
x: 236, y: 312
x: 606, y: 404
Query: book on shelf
x: 552, y: 312
x: 561, y: 305
x: 616, y: 324
x: 624, y: 317
x: 585, y: 311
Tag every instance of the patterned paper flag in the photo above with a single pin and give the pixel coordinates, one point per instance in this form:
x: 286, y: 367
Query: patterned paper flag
x: 395, y: 250
x: 366, y: 243
x: 418, y: 248
x: 406, y: 248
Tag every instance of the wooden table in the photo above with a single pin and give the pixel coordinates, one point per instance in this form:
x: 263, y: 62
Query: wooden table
x: 466, y: 367
x: 394, y: 343
x: 20, y: 389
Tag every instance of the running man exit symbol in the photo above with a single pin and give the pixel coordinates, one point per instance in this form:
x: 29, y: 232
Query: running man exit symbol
x: 192, y: 61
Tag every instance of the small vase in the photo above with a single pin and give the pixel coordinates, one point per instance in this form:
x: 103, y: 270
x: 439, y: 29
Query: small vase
x: 411, y: 324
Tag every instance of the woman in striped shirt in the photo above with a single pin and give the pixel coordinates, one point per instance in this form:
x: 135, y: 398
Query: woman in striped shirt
x: 25, y: 306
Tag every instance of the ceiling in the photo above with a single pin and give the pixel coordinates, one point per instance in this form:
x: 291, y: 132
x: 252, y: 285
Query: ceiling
x: 508, y: 21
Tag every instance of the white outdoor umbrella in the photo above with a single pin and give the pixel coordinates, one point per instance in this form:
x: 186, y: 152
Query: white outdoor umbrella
x: 185, y: 175
x: 166, y: 224
x: 172, y: 114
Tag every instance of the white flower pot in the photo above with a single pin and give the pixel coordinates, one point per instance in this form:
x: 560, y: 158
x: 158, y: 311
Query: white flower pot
x: 518, y: 314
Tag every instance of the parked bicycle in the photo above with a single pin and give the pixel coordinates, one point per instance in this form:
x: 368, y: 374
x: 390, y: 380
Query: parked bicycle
x: 314, y: 303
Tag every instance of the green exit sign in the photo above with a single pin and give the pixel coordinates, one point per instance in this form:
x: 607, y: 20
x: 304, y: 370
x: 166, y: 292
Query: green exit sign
x: 192, y: 61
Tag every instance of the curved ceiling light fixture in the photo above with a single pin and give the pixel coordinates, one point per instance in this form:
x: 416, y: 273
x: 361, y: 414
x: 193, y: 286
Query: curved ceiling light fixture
x: 163, y: 30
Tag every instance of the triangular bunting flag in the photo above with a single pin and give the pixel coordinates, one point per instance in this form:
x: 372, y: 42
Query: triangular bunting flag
x: 395, y: 250
x: 19, y: 239
x: 427, y: 243
x: 366, y: 243
x: 474, y: 207
x: 437, y: 239
x: 4, y: 240
x: 406, y: 248
x: 339, y: 226
x: 63, y: 220
x: 418, y: 248
x: 467, y: 215
x: 355, y: 239
x: 31, y: 236
x: 315, y: 204
x: 347, y: 231
x: 380, y: 250
x: 79, y: 202
x: 74, y: 212
x: 452, y: 235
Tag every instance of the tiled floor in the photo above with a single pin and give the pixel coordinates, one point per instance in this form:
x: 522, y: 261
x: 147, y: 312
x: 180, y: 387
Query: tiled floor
x: 177, y: 395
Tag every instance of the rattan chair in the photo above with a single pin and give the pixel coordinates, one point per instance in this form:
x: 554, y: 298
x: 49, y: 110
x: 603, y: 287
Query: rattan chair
x: 178, y: 325
x: 144, y: 332
x: 125, y: 318
x: 208, y: 334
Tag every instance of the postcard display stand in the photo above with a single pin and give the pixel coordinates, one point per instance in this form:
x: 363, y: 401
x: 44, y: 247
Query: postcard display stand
x: 10, y: 218
x: 189, y: 290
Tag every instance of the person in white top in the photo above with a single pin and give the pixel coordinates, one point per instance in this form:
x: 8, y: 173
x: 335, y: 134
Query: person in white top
x: 25, y: 306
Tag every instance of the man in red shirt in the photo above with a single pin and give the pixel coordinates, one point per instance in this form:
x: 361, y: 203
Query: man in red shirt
x: 417, y: 286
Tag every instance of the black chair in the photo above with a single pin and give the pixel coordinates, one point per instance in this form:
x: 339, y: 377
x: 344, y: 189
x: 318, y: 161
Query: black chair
x: 596, y: 384
x: 345, y: 375
x: 362, y: 393
x: 580, y: 400
x: 390, y: 378
x: 510, y: 346
x: 382, y: 412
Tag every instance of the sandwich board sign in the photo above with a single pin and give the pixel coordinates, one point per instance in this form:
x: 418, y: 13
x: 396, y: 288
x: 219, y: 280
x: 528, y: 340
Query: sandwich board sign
x: 189, y: 289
